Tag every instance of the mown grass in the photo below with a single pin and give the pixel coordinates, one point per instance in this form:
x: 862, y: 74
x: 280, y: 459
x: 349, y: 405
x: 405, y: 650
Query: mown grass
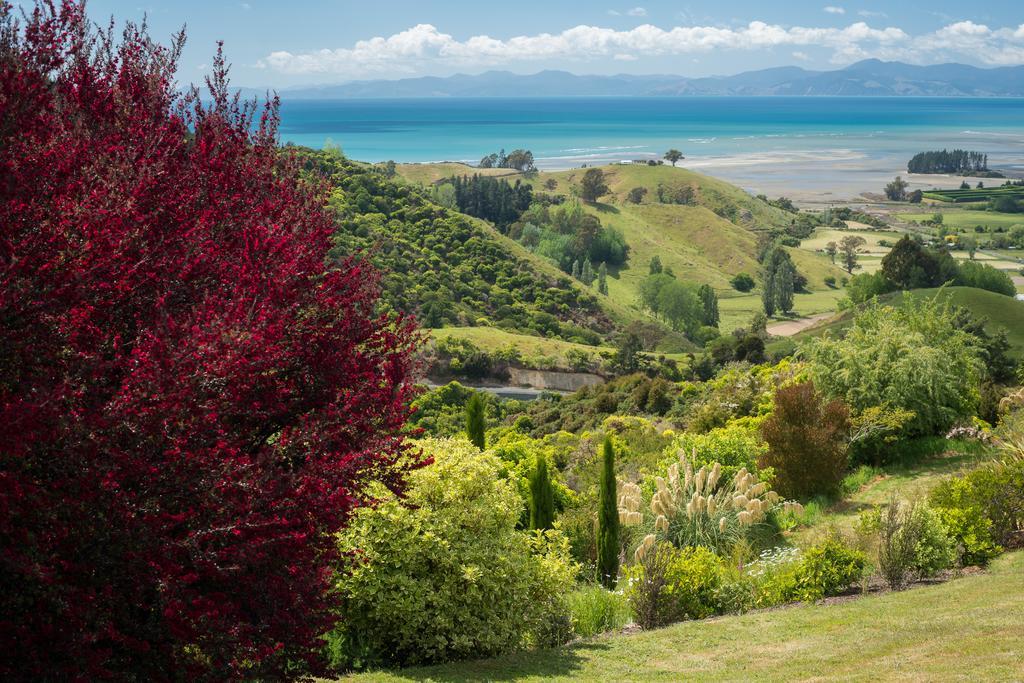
x: 917, y: 468
x: 965, y: 629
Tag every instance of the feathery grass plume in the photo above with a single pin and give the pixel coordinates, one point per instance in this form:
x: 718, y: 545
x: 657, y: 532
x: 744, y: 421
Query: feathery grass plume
x: 692, y: 508
x: 608, y: 519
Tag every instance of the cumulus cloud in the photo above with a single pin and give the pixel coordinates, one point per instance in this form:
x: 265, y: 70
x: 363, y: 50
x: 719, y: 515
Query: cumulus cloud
x: 409, y: 50
x: 802, y: 56
x: 637, y: 12
x: 832, y: 9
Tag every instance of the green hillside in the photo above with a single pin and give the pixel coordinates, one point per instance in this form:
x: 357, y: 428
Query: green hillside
x: 1001, y: 311
x: 452, y: 270
x: 709, y: 240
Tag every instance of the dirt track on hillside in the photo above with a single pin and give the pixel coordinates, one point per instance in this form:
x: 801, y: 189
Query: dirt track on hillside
x: 791, y: 327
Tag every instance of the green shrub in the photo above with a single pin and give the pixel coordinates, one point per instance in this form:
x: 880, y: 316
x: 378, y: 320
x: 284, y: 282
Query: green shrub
x: 647, y: 581
x: 783, y: 575
x: 961, y: 510
x: 694, y: 579
x: 911, y: 541
x: 999, y: 487
x: 595, y: 610
x: 912, y: 358
x: 733, y: 446
x: 827, y: 569
x: 446, y: 575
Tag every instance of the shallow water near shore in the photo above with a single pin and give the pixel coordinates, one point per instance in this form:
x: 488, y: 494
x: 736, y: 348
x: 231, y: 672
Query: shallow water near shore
x: 816, y: 145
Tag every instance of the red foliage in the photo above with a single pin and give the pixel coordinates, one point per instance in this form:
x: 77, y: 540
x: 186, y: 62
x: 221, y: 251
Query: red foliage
x: 807, y: 442
x: 191, y: 401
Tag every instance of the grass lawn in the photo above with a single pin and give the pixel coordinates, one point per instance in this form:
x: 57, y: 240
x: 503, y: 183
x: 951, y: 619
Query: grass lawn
x: 966, y: 629
x: 932, y: 460
x: 736, y: 311
x: 823, y: 236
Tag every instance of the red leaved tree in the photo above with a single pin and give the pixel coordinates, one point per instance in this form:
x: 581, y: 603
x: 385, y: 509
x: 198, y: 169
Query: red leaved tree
x: 191, y: 399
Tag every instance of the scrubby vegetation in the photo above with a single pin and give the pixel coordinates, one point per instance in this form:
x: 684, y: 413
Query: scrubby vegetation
x: 216, y: 464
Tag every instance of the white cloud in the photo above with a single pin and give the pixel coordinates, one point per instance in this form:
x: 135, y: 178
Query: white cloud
x: 868, y: 14
x: 613, y: 12
x: 410, y: 50
x: 832, y: 9
x: 802, y: 56
x: 637, y: 12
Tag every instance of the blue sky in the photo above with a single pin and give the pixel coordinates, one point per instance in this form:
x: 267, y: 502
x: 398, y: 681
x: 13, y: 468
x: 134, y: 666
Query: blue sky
x: 278, y: 44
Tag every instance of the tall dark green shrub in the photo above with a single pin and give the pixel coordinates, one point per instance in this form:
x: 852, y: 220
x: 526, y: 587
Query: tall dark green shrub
x: 475, y: 423
x: 542, y: 496
x: 608, y: 520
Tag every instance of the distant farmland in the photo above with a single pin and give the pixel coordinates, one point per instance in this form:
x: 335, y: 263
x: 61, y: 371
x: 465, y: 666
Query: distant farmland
x: 981, y: 194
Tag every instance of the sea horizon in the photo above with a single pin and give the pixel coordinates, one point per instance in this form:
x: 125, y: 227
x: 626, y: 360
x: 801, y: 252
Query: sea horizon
x: 811, y: 144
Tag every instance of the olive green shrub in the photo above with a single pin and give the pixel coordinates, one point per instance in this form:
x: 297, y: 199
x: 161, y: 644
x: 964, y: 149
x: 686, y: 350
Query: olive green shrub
x: 445, y: 574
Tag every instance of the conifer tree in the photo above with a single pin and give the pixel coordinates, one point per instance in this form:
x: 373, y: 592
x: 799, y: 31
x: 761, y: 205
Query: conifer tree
x: 576, y: 269
x: 784, y: 285
x: 542, y: 496
x: 608, y: 520
x: 587, y: 274
x: 475, y: 421
x: 602, y: 279
x: 768, y: 295
x: 709, y: 304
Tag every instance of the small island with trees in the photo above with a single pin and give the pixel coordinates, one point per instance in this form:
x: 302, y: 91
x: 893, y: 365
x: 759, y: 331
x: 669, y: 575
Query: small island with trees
x: 956, y: 162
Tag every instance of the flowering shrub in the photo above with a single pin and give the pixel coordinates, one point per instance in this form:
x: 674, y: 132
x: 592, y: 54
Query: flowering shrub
x: 784, y: 575
x: 445, y: 574
x: 192, y: 399
x: 969, y: 433
x: 702, y: 508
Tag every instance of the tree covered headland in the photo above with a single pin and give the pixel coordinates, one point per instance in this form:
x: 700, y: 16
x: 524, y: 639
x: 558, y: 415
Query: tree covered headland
x: 957, y: 161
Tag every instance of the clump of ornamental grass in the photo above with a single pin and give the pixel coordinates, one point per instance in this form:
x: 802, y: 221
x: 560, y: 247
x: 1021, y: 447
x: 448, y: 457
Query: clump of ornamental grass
x: 701, y: 508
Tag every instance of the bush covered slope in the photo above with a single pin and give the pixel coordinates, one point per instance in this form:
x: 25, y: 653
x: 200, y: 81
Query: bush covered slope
x: 449, y: 269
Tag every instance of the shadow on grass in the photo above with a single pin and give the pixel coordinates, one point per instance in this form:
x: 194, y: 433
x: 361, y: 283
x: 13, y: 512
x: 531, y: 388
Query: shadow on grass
x: 560, y: 661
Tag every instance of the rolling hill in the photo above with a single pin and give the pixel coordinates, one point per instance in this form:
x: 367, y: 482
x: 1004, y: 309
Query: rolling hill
x: 707, y: 241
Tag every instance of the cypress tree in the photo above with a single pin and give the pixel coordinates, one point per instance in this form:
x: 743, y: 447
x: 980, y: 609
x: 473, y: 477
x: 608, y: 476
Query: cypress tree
x: 542, y: 496
x: 709, y: 303
x: 784, y: 277
x: 576, y: 269
x: 768, y: 295
x: 608, y: 520
x: 602, y: 279
x: 475, y: 421
x: 587, y: 274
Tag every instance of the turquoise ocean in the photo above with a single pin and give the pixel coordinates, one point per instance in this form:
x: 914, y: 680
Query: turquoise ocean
x: 564, y: 133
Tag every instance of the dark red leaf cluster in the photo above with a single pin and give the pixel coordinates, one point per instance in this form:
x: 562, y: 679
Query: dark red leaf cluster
x: 191, y: 401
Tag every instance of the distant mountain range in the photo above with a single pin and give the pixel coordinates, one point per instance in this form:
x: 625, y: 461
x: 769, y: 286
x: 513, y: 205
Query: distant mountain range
x: 867, y: 78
